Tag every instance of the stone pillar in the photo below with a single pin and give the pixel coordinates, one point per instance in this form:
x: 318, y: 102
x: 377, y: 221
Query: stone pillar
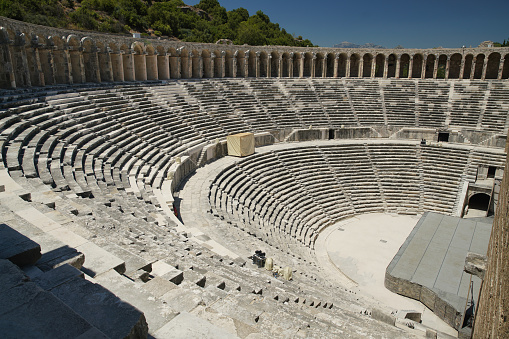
x: 246, y: 64
x: 21, y: 72
x: 280, y: 66
x: 200, y: 67
x: 128, y: 63
x: 435, y: 68
x: 290, y: 65
x: 234, y: 64
x: 257, y: 64
x: 269, y: 65
x: 324, y: 67
x: 163, y: 66
x: 223, y: 68
x: 140, y: 67
x: 68, y: 66
x: 301, y: 66
x: 484, y: 68
x: 373, y: 67
x: 348, y: 61
x: 47, y: 63
x: 36, y: 73
x: 500, y: 69
x: 117, y: 61
x: 447, y: 67
x: 398, y: 66
x: 94, y: 58
x: 423, y: 68
x: 462, y: 68
x: 386, y: 67
x: 336, y: 65
x: 472, y: 70
x: 410, y: 66
x: 190, y: 65
x: 360, y: 72
x: 212, y: 64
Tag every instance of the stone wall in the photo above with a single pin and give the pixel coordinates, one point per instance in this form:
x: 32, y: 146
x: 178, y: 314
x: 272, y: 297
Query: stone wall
x: 32, y: 55
x: 493, y: 309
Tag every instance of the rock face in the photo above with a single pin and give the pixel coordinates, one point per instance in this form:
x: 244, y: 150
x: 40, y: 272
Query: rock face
x: 475, y: 264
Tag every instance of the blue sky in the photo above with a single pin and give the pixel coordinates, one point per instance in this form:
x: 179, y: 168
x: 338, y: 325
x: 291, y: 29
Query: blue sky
x: 410, y: 23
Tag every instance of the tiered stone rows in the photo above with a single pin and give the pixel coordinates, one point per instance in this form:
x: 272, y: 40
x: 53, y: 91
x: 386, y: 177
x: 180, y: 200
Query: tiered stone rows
x: 467, y: 102
x: 432, y: 100
x: 334, y: 100
x: 292, y: 194
x: 399, y: 99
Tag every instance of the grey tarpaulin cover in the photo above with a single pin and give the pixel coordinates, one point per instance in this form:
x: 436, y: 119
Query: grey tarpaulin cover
x: 241, y: 144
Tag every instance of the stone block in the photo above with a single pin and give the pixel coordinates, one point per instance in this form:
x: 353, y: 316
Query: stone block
x: 18, y: 248
x: 381, y: 316
x: 58, y: 276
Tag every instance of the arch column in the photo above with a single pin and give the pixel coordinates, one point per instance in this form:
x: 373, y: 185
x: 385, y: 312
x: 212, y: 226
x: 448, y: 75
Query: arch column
x: 324, y: 67
x: 246, y: 64
x: 140, y: 67
x: 398, y: 66
x: 336, y: 65
x: 128, y: 63
x: 257, y: 64
x: 212, y: 64
x: 280, y: 66
x: 410, y: 66
x: 234, y: 63
x: 472, y: 70
x: 447, y: 67
x: 7, y: 77
x: 269, y: 65
x: 435, y: 67
x: 36, y: 74
x: 49, y: 72
x: 118, y: 66
x: 200, y: 66
x: 386, y: 66
x: 462, y: 67
x: 163, y: 66
x: 423, y: 68
x: 348, y: 62
x: 484, y: 68
x: 301, y: 66
x: 360, y: 71
x: 68, y: 66
x: 290, y: 65
x: 500, y: 69
x: 223, y: 66
x: 21, y: 71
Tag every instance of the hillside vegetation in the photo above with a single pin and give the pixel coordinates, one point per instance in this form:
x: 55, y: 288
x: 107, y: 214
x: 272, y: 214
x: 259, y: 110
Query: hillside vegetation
x: 206, y: 22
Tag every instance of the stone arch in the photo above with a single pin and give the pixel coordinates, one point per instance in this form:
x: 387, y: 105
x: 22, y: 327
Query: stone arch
x: 442, y: 66
x: 151, y: 62
x: 379, y: 65
x: 297, y: 58
x: 241, y: 69
x: 308, y: 61
x: 140, y: 62
x: 207, y: 64
x: 185, y: 63
x: 391, y: 65
x: 467, y: 68
x: 455, y: 66
x: 367, y: 60
x: 17, y: 51
x: 479, y: 64
x: 505, y: 69
x: 228, y: 64
x: 418, y: 60
x: 252, y: 64
x: 404, y: 66
x: 430, y: 66
x: 274, y: 64
x: 493, y: 65
x: 342, y: 61
x: 285, y: 65
x: 354, y: 65
x: 330, y: 65
x: 479, y: 201
x: 319, y: 68
x: 117, y: 63
x: 46, y: 59
x: 196, y: 68
x: 163, y: 63
x: 77, y: 71
x: 264, y: 61
x: 218, y: 64
x: 127, y: 62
